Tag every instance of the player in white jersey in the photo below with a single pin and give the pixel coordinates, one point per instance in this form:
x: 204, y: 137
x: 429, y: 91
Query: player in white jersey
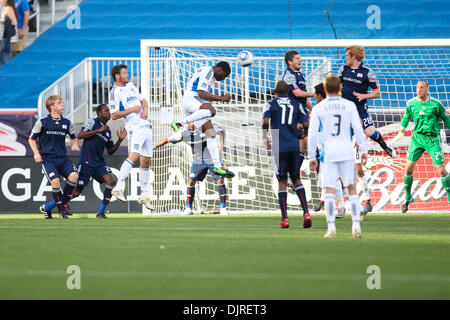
x: 197, y: 108
x: 201, y: 164
x: 337, y: 117
x: 126, y: 102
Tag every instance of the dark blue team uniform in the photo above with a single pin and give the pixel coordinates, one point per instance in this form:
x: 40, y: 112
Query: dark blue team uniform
x: 358, y: 80
x: 92, y: 163
x: 295, y: 80
x: 50, y: 135
x: 284, y: 114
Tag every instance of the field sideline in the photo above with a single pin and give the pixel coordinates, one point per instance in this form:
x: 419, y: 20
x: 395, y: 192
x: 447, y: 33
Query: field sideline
x: 213, y: 257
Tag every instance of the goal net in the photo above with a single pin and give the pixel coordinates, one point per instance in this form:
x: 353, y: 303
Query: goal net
x: 166, y: 66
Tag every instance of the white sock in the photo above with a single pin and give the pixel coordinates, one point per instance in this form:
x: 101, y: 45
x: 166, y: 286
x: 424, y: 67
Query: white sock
x: 345, y: 193
x: 125, y: 169
x: 330, y: 207
x: 322, y: 195
x: 364, y: 187
x: 213, y: 149
x: 354, y: 200
x: 144, y: 174
x: 197, y: 115
x: 339, y: 195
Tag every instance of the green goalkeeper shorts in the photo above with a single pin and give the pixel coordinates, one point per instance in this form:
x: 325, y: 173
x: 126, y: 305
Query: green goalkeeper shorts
x: 420, y: 143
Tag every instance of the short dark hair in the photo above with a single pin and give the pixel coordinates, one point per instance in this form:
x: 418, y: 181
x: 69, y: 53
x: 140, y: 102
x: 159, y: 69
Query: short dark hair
x: 332, y: 84
x: 290, y: 55
x: 281, y: 88
x: 100, y: 107
x: 224, y: 66
x: 116, y: 70
x: 319, y: 90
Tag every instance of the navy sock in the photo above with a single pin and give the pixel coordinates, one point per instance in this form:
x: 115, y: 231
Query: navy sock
x: 190, y: 196
x: 222, y: 194
x: 377, y: 137
x: 57, y: 196
x: 68, y: 188
x: 282, y: 200
x: 106, y: 198
x: 300, y: 191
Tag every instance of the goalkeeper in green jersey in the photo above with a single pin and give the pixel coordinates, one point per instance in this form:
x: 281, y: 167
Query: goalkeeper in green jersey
x: 426, y: 113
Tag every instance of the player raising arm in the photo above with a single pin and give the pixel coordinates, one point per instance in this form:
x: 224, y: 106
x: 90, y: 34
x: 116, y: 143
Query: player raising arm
x: 426, y: 113
x: 337, y: 117
x: 356, y: 80
x: 201, y: 163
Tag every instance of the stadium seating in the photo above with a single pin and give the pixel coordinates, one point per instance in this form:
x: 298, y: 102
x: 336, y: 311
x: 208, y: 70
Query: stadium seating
x: 113, y: 28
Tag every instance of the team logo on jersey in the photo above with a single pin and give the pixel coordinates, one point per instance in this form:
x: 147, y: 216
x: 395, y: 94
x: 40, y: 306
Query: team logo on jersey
x: 422, y: 113
x: 51, y: 174
x: 107, y: 134
x: 80, y: 182
x: 359, y: 75
x: 64, y: 126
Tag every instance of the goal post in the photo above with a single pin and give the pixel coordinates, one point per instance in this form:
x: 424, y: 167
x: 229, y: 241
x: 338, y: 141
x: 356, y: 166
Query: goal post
x: 398, y: 63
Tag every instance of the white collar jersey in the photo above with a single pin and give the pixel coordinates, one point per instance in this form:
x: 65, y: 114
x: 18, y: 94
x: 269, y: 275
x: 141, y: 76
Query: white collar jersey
x: 123, y: 98
x: 202, y: 79
x: 336, y: 117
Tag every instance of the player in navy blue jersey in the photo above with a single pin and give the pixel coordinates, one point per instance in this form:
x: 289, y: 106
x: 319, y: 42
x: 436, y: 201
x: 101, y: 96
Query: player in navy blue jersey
x: 284, y: 118
x: 97, y: 137
x: 293, y: 76
x: 48, y: 142
x: 356, y: 80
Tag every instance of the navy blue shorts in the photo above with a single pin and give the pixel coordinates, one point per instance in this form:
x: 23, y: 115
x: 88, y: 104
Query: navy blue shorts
x: 287, y: 162
x: 57, y: 167
x: 85, y: 173
x: 199, y: 171
x: 365, y: 116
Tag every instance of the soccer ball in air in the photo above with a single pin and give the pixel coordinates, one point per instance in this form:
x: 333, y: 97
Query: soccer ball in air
x: 245, y: 58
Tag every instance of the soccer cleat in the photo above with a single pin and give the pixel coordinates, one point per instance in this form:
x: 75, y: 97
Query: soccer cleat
x: 319, y: 206
x: 119, y: 195
x: 63, y: 215
x: 187, y: 212
x: 285, y: 223
x: 144, y: 199
x: 224, y: 172
x: 67, y: 209
x: 330, y: 234
x: 390, y: 151
x: 341, y: 213
x: 101, y: 215
x: 47, y: 214
x: 406, y: 205
x: 224, y: 212
x: 367, y: 205
x: 307, y: 222
x: 176, y: 126
x: 356, y: 233
x: 291, y: 188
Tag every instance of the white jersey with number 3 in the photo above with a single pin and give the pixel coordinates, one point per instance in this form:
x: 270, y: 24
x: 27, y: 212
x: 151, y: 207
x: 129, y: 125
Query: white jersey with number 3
x: 336, y: 117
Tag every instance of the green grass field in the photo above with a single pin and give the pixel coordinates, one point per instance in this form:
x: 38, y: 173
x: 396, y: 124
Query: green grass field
x: 214, y: 257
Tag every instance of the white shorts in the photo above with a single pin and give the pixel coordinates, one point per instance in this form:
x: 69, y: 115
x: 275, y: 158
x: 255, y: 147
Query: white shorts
x: 190, y: 104
x: 140, y: 140
x: 331, y: 171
